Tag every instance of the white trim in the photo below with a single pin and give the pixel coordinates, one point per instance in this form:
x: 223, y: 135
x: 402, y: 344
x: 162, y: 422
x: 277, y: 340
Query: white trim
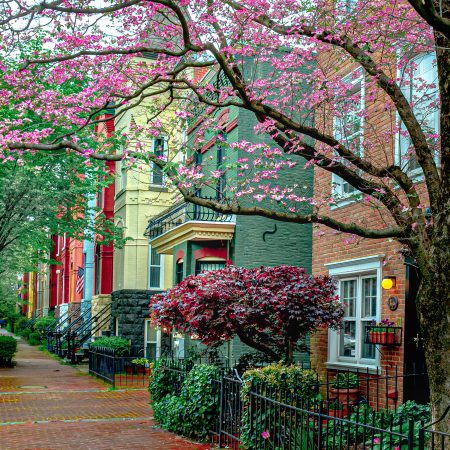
x: 157, y: 342
x: 354, y: 265
x: 341, y: 198
x: 358, y: 269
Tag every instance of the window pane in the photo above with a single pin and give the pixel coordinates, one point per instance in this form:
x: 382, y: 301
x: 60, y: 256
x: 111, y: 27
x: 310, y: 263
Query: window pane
x: 155, y: 258
x: 151, y: 332
x: 369, y: 301
x: 155, y: 276
x: 368, y: 350
x: 348, y: 297
x: 348, y: 340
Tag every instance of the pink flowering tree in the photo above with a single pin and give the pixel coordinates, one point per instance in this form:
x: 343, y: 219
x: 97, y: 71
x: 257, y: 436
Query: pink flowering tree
x: 271, y: 309
x: 399, y: 165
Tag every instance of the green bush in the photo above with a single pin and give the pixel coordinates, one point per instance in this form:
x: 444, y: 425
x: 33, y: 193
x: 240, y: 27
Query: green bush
x: 290, y: 384
x: 43, y: 322
x: 120, y: 345
x: 25, y: 333
x: 19, y: 324
x: 193, y: 412
x: 34, y: 338
x: 8, y: 347
x: 162, y: 381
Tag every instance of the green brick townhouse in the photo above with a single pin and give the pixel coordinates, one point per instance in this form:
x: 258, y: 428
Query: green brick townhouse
x: 200, y: 239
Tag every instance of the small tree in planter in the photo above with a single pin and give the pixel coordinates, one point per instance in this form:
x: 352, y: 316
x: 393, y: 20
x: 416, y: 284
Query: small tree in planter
x: 271, y: 309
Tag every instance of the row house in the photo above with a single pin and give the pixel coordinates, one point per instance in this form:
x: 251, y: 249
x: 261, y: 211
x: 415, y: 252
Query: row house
x: 375, y: 281
x: 198, y: 239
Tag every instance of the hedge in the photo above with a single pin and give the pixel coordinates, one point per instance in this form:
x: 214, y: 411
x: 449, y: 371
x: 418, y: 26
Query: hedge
x: 120, y: 345
x: 8, y: 347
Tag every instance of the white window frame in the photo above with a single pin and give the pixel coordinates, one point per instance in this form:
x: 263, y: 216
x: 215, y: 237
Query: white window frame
x: 345, y: 270
x: 165, y: 152
x: 161, y: 270
x: 417, y: 173
x: 157, y: 342
x: 342, y: 198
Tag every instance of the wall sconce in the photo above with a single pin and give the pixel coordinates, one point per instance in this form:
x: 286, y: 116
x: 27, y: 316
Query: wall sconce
x: 388, y: 283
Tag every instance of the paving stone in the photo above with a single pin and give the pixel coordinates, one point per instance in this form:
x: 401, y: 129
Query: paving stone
x: 45, y: 405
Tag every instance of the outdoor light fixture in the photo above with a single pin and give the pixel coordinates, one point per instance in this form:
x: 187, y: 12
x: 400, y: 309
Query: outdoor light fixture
x: 388, y: 283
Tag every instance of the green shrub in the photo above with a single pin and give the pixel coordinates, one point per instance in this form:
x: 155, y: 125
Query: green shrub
x: 34, y: 338
x: 282, y: 383
x: 8, y: 347
x: 345, y: 381
x: 120, y: 345
x: 25, y: 333
x: 19, y: 324
x: 162, y: 381
x: 292, y: 379
x: 193, y: 412
x: 43, y: 322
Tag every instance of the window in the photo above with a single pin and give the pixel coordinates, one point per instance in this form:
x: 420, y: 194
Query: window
x: 179, y: 272
x: 221, y: 182
x: 159, y: 149
x: 419, y: 85
x: 100, y: 198
x: 152, y: 341
x: 359, y: 291
x: 348, y: 126
x: 116, y: 326
x: 155, y: 270
x: 201, y: 266
x: 198, y: 160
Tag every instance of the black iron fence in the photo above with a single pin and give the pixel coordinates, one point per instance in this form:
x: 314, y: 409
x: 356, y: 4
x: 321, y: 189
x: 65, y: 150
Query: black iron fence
x: 118, y: 369
x: 333, y: 417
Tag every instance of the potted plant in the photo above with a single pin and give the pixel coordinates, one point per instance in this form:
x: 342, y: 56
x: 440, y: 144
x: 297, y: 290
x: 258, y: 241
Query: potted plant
x: 344, y: 387
x: 142, y: 365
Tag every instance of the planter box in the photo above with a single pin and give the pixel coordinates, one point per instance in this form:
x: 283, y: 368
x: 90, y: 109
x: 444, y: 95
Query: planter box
x: 389, y: 336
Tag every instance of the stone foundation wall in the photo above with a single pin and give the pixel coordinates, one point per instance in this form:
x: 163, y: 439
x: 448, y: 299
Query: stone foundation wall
x: 97, y: 304
x: 131, y: 309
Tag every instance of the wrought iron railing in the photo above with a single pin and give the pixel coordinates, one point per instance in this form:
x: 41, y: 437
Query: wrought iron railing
x: 181, y: 213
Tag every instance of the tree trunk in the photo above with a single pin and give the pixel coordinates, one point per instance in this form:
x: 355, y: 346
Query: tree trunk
x: 433, y: 303
x: 289, y: 359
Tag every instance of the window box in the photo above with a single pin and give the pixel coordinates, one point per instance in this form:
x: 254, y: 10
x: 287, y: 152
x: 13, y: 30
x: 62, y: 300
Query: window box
x: 388, y: 336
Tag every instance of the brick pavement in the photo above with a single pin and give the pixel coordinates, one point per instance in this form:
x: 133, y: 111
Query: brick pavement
x: 51, y: 406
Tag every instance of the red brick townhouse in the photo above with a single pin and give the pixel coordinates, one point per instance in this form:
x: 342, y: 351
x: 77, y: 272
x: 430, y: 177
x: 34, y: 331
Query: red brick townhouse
x: 360, y: 265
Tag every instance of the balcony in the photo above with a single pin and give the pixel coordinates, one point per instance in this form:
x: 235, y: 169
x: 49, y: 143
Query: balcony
x: 187, y: 222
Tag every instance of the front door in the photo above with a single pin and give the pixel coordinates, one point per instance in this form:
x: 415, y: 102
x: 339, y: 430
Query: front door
x: 416, y: 381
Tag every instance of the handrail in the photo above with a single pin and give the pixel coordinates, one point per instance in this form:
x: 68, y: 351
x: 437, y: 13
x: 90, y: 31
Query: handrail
x: 68, y: 317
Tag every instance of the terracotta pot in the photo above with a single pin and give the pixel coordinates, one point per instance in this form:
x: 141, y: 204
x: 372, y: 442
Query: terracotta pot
x: 345, y: 395
x: 140, y: 369
x: 129, y: 370
x: 390, y: 338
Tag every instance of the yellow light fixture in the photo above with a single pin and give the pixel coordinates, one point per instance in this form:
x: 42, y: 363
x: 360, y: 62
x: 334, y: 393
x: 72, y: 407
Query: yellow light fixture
x: 388, y: 283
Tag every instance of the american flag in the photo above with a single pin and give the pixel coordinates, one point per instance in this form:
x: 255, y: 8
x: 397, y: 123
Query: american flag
x: 80, y: 280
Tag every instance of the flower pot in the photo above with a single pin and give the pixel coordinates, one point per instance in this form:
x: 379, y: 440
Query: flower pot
x: 148, y: 371
x: 345, y: 396
x: 390, y: 338
x: 140, y: 369
x: 129, y: 370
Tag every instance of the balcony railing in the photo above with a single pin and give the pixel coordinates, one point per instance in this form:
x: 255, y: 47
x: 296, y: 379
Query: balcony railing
x: 181, y: 213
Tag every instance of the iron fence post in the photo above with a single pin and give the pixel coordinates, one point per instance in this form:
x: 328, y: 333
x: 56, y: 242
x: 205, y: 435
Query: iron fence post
x: 221, y: 408
x: 422, y: 436
x: 411, y: 435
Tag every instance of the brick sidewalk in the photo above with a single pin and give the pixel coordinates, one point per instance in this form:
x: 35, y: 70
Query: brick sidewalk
x: 51, y: 406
